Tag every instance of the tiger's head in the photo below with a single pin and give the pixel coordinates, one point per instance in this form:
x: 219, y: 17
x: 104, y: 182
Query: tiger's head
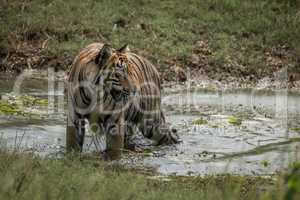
x: 113, y: 70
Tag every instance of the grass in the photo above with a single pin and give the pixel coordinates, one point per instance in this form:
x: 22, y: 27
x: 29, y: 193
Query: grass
x: 239, y: 33
x: 25, y: 176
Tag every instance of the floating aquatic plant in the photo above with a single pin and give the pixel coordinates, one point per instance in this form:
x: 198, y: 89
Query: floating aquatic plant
x: 235, y: 121
x: 41, y: 102
x: 265, y: 163
x: 200, y: 121
x: 295, y: 129
x: 20, y: 104
x: 8, y: 109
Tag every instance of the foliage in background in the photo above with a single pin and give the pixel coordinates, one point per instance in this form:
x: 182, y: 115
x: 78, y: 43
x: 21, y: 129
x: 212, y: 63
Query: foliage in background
x: 239, y: 33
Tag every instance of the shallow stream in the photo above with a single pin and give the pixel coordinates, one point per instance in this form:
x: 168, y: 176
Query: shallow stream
x: 237, y: 131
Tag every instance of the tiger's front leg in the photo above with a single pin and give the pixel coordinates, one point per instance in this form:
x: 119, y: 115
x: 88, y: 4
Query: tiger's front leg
x: 75, y: 134
x: 75, y: 129
x: 115, y: 136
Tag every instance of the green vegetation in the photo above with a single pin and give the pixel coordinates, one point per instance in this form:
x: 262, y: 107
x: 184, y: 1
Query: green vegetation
x: 234, y: 121
x: 24, y: 176
x: 248, y: 39
x: 296, y: 129
x: 20, y: 105
x: 293, y: 182
x: 200, y: 121
x: 8, y: 109
x: 265, y: 163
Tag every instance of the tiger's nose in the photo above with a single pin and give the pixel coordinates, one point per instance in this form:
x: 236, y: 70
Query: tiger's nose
x: 119, y: 65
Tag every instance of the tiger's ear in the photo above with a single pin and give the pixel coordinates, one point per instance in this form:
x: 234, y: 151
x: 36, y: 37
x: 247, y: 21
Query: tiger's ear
x: 124, y: 49
x: 104, y: 55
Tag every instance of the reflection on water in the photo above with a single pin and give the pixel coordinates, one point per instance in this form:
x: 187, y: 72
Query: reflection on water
x: 265, y: 140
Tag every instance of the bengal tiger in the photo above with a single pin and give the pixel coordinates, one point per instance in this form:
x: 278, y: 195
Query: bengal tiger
x: 119, y: 93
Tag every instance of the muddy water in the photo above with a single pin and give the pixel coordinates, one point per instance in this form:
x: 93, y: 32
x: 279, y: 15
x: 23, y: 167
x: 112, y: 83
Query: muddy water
x: 223, y: 131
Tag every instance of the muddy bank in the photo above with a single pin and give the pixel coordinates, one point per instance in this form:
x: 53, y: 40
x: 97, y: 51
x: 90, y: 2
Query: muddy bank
x: 31, y: 54
x: 201, y: 67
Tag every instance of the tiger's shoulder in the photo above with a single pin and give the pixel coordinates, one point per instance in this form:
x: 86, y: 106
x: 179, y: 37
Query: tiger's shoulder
x: 85, y: 56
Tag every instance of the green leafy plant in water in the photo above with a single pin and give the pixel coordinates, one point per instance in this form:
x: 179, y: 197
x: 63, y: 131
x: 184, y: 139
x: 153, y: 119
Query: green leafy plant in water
x: 8, y: 109
x: 200, y: 121
x: 296, y: 129
x: 214, y: 125
x: 13, y: 105
x: 27, y: 100
x: 235, y: 121
x: 265, y: 163
x: 41, y: 102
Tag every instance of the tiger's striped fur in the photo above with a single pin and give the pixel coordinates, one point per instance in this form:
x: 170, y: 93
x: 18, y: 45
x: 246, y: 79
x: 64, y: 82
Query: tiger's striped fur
x: 118, y: 91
